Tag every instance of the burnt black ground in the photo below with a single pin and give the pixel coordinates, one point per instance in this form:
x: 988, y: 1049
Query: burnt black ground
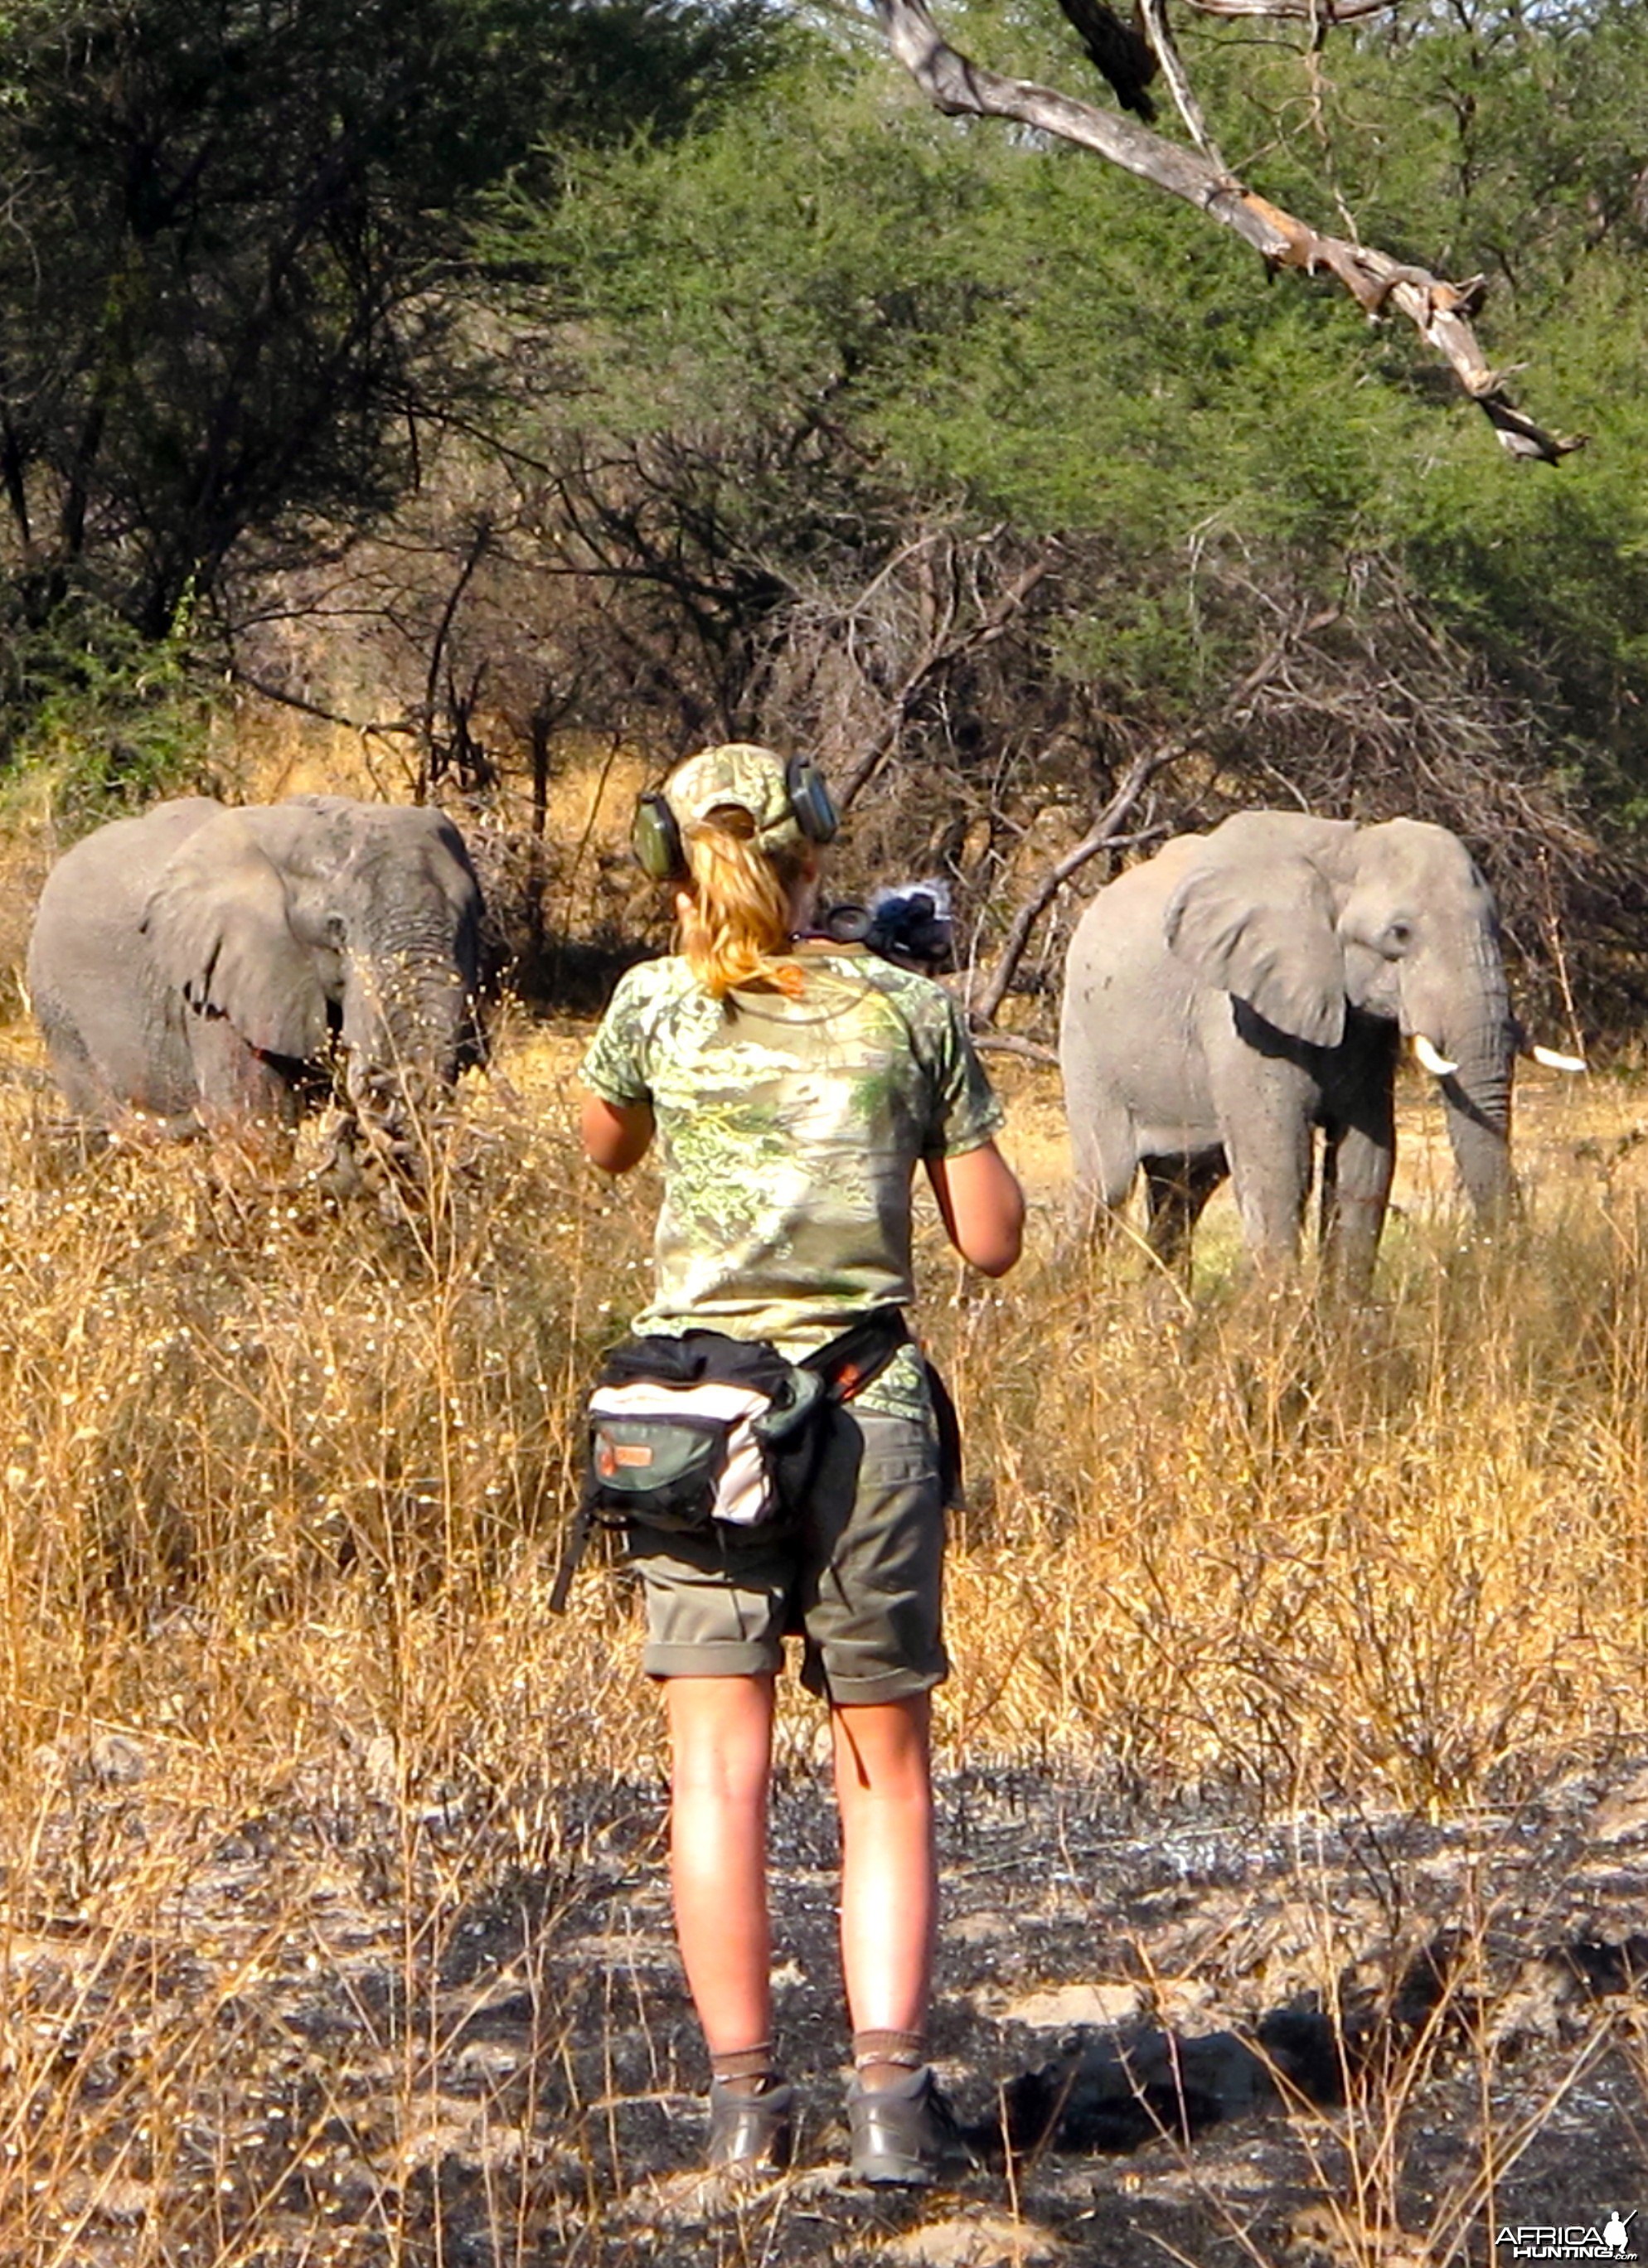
x: 1216, y: 2036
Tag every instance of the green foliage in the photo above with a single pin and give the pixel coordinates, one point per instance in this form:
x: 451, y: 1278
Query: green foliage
x: 881, y: 312
x: 235, y: 275
x: 114, y: 717
x: 812, y: 248
x: 766, y: 316
x: 228, y: 272
x: 892, y: 312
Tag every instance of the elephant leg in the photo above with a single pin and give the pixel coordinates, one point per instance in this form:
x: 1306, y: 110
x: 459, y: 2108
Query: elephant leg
x: 1268, y: 1112
x: 1356, y: 1191
x: 233, y: 1082
x: 1106, y: 1161
x: 86, y: 1094
x: 1178, y: 1189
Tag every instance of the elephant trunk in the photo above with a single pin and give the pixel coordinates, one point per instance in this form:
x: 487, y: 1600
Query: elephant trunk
x: 405, y: 1020
x: 1479, y: 1129
x: 1481, y: 1050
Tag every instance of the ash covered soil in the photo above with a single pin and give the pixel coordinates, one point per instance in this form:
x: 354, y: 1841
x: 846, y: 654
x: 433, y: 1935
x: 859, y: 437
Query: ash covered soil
x: 1206, y: 2036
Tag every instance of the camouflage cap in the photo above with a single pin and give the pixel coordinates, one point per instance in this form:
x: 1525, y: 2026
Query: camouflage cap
x: 743, y: 774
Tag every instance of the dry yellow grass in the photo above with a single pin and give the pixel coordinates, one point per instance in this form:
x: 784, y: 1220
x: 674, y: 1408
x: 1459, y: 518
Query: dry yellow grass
x: 280, y: 1495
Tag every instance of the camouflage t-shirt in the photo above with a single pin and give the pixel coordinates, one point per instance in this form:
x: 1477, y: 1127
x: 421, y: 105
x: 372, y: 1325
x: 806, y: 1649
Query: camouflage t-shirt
x: 787, y: 1132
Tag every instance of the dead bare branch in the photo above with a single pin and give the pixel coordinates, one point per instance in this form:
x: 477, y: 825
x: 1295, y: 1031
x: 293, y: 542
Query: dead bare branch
x: 1100, y: 835
x: 1325, y: 13
x: 285, y: 699
x: 941, y: 651
x: 1112, y: 820
x: 1441, y: 312
x: 1153, y: 16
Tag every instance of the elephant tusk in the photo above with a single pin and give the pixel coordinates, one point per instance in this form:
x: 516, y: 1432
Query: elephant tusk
x: 1430, y: 1059
x: 1552, y: 1061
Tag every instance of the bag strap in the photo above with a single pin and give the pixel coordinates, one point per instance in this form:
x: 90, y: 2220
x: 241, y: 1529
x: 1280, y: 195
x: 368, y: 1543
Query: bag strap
x: 571, y: 1553
x: 859, y: 1353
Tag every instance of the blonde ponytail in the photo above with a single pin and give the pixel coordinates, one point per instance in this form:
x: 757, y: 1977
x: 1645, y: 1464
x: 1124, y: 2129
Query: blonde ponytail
x: 735, y: 922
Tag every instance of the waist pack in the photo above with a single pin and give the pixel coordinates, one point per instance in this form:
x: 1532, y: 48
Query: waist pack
x: 676, y: 1455
x: 704, y: 1433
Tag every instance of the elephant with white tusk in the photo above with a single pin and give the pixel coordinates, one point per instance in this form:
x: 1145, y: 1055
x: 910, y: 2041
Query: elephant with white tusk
x: 1244, y: 988
x: 208, y: 967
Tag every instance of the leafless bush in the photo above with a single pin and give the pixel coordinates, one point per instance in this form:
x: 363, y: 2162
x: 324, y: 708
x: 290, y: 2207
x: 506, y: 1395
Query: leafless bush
x: 959, y: 683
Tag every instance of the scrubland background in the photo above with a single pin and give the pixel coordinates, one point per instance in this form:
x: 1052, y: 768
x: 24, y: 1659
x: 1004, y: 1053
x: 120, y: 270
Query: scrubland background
x: 283, y: 1486
x: 465, y: 400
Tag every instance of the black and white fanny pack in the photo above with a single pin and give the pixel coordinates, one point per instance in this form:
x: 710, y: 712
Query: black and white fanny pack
x: 704, y: 1435
x: 680, y: 1457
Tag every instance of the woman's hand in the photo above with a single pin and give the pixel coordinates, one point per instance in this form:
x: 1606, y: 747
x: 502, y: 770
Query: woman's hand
x: 615, y: 1136
x: 982, y: 1207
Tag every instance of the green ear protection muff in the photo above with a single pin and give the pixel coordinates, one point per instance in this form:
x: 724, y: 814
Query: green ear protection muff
x: 655, y: 839
x: 812, y: 805
x: 655, y: 834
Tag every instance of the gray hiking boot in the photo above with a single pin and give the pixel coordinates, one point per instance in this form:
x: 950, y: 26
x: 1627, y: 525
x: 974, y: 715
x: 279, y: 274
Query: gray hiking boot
x: 905, y: 2135
x: 751, y: 2134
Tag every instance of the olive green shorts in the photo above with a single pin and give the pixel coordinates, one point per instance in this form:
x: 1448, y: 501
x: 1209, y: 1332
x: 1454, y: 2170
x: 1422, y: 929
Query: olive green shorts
x: 859, y: 1578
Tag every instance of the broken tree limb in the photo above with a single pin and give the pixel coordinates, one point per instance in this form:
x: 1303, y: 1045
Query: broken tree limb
x: 1440, y: 312
x: 1007, y: 1043
x: 1152, y: 15
x: 1105, y: 834
x: 1315, y: 13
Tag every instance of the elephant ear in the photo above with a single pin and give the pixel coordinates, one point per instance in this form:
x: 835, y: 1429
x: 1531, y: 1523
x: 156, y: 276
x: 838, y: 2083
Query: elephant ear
x: 217, y: 923
x: 1263, y: 930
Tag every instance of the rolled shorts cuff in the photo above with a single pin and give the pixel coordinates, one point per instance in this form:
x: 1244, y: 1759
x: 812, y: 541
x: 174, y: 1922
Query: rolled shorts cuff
x: 866, y: 1692
x: 714, y: 1658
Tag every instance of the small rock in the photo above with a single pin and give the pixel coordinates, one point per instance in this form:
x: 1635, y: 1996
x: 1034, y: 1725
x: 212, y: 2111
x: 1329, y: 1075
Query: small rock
x: 1058, y: 2007
x: 493, y: 2060
x: 1180, y: 2000
x: 117, y: 1760
x: 990, y: 1927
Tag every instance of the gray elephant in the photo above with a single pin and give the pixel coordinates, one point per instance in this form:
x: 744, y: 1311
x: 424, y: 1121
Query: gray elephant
x: 200, y: 964
x: 1243, y: 988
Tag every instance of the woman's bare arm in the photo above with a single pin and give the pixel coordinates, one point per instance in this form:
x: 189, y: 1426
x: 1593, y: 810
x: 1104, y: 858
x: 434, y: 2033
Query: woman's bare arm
x: 982, y: 1207
x: 615, y: 1136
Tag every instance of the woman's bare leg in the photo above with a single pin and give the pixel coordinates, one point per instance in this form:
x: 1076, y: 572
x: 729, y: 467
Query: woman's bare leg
x: 889, y: 1871
x: 721, y: 1752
